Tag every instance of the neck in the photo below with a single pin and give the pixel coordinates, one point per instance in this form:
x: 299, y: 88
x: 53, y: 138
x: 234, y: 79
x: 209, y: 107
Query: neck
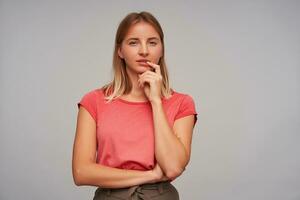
x: 136, y: 91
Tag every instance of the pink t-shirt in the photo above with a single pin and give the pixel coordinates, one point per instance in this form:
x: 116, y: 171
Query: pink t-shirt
x: 125, y: 131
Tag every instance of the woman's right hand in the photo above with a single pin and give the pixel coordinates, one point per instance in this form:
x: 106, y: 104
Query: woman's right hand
x: 158, y: 174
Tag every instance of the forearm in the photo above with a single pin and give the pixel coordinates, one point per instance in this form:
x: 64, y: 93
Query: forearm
x: 169, y: 151
x: 109, y: 177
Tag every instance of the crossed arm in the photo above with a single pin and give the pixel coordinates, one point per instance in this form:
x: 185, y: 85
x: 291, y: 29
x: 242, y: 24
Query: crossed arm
x: 172, y: 153
x: 84, y: 167
x: 172, y: 145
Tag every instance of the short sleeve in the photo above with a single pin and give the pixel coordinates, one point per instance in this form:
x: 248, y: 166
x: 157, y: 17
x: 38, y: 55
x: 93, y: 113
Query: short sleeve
x: 187, y: 107
x: 88, y: 101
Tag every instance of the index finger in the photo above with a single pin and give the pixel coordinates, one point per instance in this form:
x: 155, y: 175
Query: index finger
x: 155, y: 66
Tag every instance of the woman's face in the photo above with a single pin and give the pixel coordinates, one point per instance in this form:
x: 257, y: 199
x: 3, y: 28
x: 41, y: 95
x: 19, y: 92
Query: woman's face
x: 141, y: 42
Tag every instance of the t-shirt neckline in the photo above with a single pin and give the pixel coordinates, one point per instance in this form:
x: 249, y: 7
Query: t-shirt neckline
x: 144, y: 102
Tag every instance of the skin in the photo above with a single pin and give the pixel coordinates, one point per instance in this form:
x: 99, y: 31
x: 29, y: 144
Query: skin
x: 142, y: 48
x: 172, y: 144
x: 141, y: 42
x: 85, y: 169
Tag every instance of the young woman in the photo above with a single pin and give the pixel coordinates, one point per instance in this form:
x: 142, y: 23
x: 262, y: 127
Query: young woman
x: 134, y: 135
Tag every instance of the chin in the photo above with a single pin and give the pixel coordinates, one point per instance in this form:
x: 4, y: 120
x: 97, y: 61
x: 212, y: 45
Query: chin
x: 140, y: 68
x: 143, y: 68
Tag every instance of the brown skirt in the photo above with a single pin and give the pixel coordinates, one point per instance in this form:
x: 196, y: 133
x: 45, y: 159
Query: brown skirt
x: 149, y: 191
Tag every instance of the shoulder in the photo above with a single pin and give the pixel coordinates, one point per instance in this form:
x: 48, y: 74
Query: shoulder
x: 182, y: 97
x: 186, y: 105
x: 93, y: 94
x: 91, y: 100
x: 92, y: 97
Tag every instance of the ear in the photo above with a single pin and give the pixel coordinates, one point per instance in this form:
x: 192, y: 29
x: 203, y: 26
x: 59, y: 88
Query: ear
x: 120, y: 53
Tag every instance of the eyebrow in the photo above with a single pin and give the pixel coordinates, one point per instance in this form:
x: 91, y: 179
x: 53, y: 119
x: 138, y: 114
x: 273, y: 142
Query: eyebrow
x: 138, y: 38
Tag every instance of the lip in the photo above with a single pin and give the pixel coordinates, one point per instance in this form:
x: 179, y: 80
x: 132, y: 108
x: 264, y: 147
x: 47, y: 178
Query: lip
x: 144, y: 64
x: 142, y: 60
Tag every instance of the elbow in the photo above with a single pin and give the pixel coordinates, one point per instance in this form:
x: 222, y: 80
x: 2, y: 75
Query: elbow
x: 77, y: 182
x: 78, y: 177
x: 172, y: 174
x: 81, y: 173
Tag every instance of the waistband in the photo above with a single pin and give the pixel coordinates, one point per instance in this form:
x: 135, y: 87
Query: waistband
x: 129, y: 191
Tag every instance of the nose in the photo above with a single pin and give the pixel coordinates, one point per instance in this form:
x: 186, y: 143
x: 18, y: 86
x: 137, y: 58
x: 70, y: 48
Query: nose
x: 143, y: 50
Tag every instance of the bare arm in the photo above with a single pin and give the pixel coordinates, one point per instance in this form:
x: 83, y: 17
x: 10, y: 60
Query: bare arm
x: 109, y: 177
x: 172, y: 144
x: 85, y: 169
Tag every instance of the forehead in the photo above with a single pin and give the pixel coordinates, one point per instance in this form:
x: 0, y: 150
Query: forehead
x: 141, y: 30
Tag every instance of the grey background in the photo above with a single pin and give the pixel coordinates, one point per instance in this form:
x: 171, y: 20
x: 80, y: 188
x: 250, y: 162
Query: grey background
x: 238, y: 59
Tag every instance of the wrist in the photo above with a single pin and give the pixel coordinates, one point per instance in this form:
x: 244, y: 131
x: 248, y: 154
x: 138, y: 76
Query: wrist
x: 152, y: 176
x: 156, y: 101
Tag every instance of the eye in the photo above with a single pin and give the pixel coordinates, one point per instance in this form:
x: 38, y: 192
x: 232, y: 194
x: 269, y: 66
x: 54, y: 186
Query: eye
x: 153, y: 43
x: 132, y: 43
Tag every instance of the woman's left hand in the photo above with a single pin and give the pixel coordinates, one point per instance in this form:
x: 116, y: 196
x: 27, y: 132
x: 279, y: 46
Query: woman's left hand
x: 151, y: 81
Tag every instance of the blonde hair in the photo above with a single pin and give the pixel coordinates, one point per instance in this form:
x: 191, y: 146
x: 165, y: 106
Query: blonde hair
x: 121, y: 83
